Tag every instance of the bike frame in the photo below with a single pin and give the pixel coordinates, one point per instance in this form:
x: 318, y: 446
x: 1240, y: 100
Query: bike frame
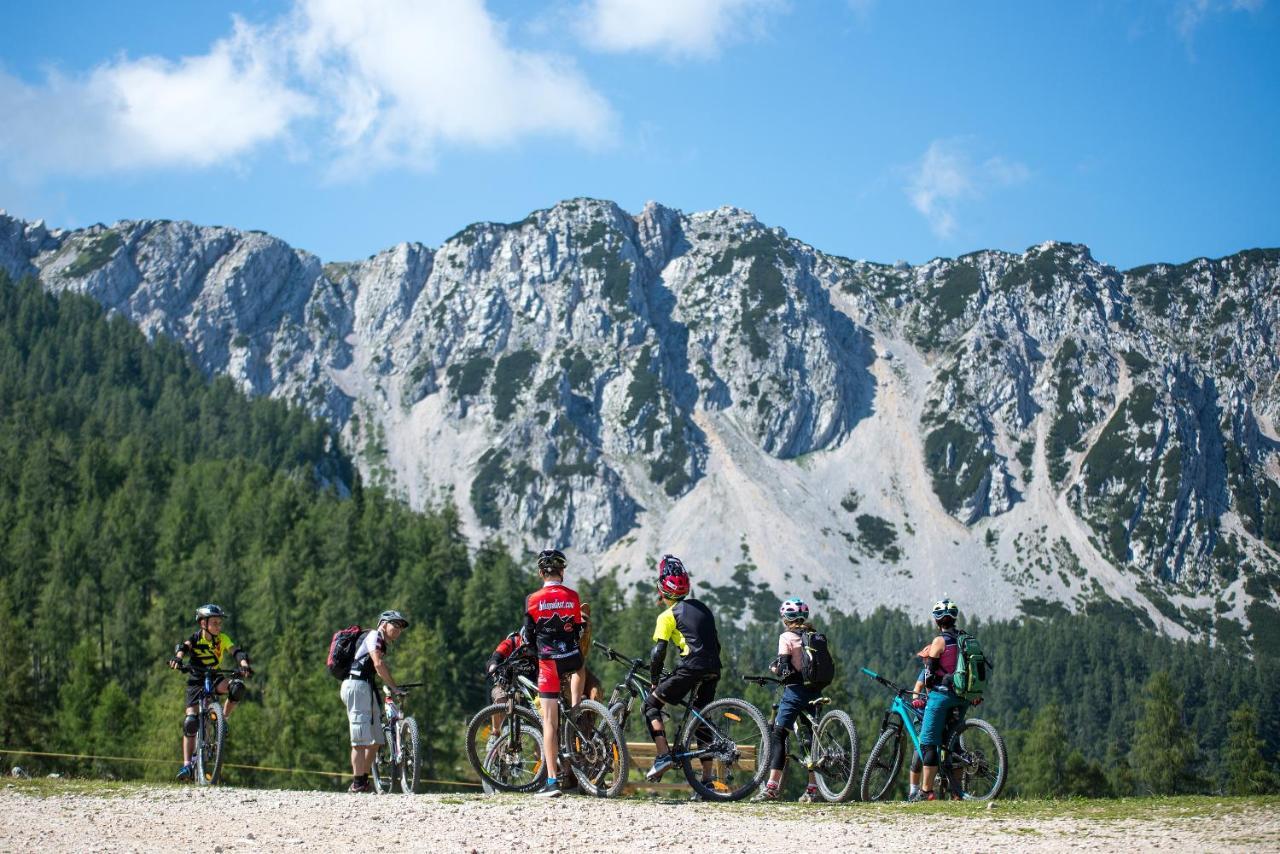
x: 640, y: 687
x: 804, y: 716
x: 911, y: 717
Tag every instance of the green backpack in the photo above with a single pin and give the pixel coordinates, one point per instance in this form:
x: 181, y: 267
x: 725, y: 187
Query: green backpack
x: 972, y: 668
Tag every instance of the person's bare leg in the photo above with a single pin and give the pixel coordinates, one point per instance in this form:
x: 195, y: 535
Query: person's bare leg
x: 577, y: 685
x: 551, y: 735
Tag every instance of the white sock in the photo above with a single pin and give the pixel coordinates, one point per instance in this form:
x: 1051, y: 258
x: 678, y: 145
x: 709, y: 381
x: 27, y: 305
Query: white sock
x: 915, y: 790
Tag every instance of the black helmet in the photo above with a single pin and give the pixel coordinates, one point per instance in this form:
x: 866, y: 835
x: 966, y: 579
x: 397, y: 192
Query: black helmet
x: 551, y: 561
x: 210, y: 610
x: 393, y: 617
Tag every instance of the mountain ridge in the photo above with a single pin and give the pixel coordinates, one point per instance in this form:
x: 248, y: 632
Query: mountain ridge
x: 1020, y: 430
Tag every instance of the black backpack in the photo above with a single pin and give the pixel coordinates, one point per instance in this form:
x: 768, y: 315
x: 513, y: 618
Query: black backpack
x: 342, y: 651
x: 816, y: 664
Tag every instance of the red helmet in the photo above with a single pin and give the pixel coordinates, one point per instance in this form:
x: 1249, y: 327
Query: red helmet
x: 673, y: 581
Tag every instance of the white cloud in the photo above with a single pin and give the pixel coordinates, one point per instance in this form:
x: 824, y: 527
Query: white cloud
x: 402, y: 77
x: 946, y: 177
x: 151, y: 112
x: 1189, y: 15
x: 380, y: 83
x: 676, y: 28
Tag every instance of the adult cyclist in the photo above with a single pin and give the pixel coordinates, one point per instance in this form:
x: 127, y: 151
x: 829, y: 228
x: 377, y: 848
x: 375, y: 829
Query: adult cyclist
x: 206, y: 649
x: 552, y: 624
x: 939, y: 662
x: 690, y: 626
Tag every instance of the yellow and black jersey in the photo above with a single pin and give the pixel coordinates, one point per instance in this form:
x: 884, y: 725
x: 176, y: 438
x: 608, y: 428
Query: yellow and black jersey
x: 690, y: 626
x: 207, y: 653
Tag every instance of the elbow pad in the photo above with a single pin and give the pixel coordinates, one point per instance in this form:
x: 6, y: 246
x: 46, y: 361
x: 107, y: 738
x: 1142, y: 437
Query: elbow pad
x: 929, y: 670
x: 657, y: 656
x: 781, y: 666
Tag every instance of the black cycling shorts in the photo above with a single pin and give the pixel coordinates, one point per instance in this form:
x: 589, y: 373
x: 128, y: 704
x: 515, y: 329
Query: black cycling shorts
x: 685, y: 679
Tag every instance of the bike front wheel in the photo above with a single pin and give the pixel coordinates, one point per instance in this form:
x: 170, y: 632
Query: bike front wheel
x: 836, y: 754
x: 410, y: 755
x: 883, y: 765
x: 976, y: 761
x: 210, y: 740
x: 597, y: 750
x: 385, y: 764
x: 731, y: 734
x: 509, y: 759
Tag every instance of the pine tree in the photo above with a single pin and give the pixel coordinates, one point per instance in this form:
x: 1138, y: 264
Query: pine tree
x: 1164, y: 753
x: 1045, y: 755
x: 1247, y: 771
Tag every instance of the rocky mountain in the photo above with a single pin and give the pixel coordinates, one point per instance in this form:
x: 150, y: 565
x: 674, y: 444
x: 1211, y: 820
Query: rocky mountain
x: 1022, y: 432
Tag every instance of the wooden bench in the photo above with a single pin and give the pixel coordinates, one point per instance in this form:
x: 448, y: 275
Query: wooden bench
x: 643, y: 754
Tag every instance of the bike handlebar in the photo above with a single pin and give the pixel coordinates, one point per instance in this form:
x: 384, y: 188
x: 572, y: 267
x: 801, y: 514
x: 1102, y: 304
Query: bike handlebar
x: 213, y: 671
x: 613, y: 655
x: 762, y: 680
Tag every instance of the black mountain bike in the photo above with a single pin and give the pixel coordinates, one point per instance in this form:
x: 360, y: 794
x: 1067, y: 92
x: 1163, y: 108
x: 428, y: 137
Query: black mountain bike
x: 973, y: 762
x: 826, y: 745
x: 509, y: 757
x: 729, y: 732
x: 211, y: 726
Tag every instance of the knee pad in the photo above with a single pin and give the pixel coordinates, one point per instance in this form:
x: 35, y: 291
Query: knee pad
x: 652, y: 708
x: 916, y: 764
x: 929, y: 752
x: 190, y: 725
x: 778, y: 758
x: 235, y: 690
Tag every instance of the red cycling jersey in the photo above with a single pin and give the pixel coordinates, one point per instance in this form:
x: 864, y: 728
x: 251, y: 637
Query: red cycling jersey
x: 552, y: 623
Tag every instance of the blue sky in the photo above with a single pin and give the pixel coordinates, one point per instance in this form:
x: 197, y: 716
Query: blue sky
x: 880, y: 129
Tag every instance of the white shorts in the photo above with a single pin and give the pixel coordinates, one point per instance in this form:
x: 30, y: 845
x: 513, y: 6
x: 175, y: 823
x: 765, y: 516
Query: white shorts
x: 364, y: 713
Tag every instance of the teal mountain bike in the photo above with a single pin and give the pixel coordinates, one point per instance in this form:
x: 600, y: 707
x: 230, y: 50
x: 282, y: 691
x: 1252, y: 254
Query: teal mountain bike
x: 973, y: 762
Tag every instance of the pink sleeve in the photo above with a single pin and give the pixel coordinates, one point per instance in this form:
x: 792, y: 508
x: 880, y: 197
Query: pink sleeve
x: 783, y: 646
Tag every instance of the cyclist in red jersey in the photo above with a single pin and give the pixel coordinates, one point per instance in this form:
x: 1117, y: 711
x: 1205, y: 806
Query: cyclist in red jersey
x: 552, y: 623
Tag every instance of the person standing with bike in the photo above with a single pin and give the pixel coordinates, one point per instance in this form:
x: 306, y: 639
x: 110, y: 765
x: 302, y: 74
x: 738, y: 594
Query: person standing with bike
x: 939, y: 659
x: 691, y: 627
x: 206, y: 649
x: 796, y: 696
x: 552, y: 625
x: 364, y: 709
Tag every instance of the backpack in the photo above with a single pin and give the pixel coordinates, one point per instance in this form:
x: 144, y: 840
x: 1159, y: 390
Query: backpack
x: 972, y: 667
x: 816, y: 664
x: 342, y: 650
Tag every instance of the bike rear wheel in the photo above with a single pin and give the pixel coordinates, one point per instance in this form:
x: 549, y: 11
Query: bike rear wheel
x: 836, y: 755
x: 410, y: 756
x: 977, y: 761
x: 736, y: 740
x: 510, y: 758
x: 210, y: 740
x: 597, y: 750
x: 883, y: 765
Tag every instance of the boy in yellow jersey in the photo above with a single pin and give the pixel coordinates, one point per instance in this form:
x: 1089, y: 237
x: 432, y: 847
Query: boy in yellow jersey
x: 691, y: 627
x: 206, y: 649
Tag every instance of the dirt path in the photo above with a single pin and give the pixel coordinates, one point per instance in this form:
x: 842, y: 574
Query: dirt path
x: 170, y: 818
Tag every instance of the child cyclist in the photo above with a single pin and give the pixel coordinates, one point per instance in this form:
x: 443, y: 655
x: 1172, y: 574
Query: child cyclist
x: 206, y: 649
x: 690, y: 626
x: 795, y: 697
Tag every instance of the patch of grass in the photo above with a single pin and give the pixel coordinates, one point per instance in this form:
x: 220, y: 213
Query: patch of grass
x: 510, y: 378
x: 468, y: 378
x: 955, y: 457
x: 95, y: 253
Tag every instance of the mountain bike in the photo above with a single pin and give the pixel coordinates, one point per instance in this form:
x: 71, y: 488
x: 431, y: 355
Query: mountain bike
x: 211, y: 726
x: 729, y: 732
x: 827, y: 746
x: 398, y: 758
x: 973, y: 762
x: 510, y: 758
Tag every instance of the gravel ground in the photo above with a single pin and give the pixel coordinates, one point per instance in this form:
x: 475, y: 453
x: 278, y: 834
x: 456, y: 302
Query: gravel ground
x: 171, y: 818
